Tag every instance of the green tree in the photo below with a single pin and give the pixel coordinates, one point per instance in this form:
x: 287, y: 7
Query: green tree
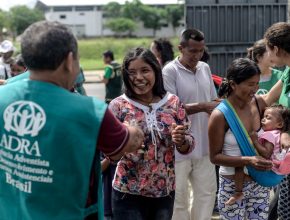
x: 3, y: 23
x: 174, y: 14
x: 153, y: 17
x: 132, y: 9
x: 113, y: 10
x: 20, y: 17
x: 121, y: 25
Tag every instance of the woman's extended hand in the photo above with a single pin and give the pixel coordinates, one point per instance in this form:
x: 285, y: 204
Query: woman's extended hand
x: 178, y: 134
x: 285, y: 140
x: 260, y: 163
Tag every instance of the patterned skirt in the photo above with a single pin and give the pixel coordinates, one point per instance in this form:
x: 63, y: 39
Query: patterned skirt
x: 284, y: 199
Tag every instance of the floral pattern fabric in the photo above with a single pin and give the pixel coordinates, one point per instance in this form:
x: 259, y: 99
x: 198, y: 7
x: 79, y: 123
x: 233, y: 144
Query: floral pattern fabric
x: 150, y: 170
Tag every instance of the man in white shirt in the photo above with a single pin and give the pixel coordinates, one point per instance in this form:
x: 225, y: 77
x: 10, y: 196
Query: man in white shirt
x: 190, y: 79
x: 6, y: 52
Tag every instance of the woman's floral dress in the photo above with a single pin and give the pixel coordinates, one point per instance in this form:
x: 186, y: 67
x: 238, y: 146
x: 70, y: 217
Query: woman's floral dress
x: 150, y: 170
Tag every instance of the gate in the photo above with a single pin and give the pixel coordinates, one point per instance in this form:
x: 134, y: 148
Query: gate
x: 231, y: 26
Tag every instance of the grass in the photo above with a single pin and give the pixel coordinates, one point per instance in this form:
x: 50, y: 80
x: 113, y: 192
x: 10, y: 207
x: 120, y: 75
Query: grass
x: 91, y: 49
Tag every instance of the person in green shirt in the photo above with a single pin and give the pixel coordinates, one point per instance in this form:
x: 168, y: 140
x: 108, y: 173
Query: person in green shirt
x: 269, y: 76
x: 277, y: 39
x: 112, y: 77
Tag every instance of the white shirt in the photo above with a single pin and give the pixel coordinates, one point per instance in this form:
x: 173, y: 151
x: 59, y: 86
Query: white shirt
x: 3, y: 67
x: 192, y: 88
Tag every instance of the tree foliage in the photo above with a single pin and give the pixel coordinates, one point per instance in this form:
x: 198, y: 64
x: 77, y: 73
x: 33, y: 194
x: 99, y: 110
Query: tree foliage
x: 3, y: 23
x: 20, y: 17
x: 152, y: 17
x: 174, y: 14
x: 121, y: 25
x: 3, y: 20
x: 113, y: 10
x: 132, y: 9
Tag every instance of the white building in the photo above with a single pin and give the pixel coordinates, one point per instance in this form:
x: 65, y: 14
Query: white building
x: 86, y: 19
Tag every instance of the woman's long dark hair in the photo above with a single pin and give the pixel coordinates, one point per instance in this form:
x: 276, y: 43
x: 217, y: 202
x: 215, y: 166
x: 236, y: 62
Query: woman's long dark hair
x: 149, y: 58
x: 240, y: 70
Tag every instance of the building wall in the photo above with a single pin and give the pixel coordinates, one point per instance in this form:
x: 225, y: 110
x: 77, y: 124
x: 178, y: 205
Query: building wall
x: 288, y: 17
x: 83, y: 23
x: 91, y: 24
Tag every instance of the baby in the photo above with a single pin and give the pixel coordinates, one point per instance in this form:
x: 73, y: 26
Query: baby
x: 276, y: 119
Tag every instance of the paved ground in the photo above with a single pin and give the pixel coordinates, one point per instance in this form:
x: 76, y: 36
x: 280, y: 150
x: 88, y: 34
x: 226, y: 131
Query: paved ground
x: 93, y: 76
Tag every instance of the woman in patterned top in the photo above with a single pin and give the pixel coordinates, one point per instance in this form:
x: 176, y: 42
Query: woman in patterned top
x: 144, y: 183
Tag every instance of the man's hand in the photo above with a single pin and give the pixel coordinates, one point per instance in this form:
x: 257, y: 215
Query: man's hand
x: 210, y: 106
x: 136, y: 139
x: 2, y: 81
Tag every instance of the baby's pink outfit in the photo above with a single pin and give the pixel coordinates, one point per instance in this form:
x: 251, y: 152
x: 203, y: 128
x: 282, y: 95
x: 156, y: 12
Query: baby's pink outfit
x: 280, y: 158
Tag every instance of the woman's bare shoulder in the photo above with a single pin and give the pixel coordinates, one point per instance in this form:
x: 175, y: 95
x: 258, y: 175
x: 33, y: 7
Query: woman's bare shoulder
x: 217, y: 117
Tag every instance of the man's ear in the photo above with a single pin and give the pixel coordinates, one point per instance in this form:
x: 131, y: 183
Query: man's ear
x: 69, y: 62
x: 180, y: 48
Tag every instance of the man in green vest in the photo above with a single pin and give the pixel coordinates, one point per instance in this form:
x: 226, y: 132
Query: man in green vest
x: 50, y: 138
x: 112, y: 77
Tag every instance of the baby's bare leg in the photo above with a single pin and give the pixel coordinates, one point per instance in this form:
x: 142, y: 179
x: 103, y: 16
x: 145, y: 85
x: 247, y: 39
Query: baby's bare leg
x: 239, y: 182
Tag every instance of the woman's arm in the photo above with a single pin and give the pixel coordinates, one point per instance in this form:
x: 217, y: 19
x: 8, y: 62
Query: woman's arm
x: 285, y: 140
x: 273, y: 95
x: 216, y: 132
x: 181, y: 134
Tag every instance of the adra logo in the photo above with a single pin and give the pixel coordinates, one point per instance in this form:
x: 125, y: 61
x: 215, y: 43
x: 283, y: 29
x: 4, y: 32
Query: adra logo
x: 24, y: 118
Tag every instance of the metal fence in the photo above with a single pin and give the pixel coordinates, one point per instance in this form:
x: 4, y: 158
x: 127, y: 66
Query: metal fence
x: 230, y: 27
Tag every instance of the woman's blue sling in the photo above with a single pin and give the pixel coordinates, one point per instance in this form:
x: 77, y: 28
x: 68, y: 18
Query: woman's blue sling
x: 263, y: 178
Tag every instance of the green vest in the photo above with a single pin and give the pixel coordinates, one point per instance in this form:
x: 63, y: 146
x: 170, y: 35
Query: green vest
x: 114, y: 85
x: 48, y: 139
x: 265, y: 87
x: 21, y: 76
x: 285, y: 94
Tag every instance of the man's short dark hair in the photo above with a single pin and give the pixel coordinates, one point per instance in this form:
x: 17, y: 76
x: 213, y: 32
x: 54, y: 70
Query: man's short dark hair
x: 109, y: 54
x: 45, y: 45
x: 192, y: 34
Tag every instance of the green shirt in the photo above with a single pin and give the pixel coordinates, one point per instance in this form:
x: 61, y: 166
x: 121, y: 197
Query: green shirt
x: 21, y: 76
x: 285, y: 94
x: 265, y: 86
x: 114, y: 85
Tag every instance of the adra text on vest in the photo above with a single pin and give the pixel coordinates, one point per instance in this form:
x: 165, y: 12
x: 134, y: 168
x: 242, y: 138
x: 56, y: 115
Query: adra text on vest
x: 20, y: 145
x: 25, y: 187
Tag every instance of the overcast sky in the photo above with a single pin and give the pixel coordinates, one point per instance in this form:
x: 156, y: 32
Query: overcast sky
x: 6, y: 4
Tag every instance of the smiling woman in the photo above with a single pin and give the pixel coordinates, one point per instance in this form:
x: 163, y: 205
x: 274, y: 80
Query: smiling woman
x: 227, y: 148
x: 144, y: 183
